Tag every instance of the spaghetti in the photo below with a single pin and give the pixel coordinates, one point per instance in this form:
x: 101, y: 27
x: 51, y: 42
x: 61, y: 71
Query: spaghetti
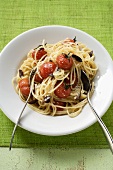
x: 57, y: 88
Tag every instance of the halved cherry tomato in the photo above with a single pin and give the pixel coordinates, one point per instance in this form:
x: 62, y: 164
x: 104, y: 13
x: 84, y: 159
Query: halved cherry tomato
x: 47, y: 68
x: 38, y: 79
x: 59, y: 103
x: 24, y: 86
x: 62, y: 91
x: 64, y: 62
x: 69, y: 40
x: 41, y: 52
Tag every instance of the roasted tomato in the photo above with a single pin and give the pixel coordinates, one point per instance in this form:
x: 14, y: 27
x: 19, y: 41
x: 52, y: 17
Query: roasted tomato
x: 63, y: 91
x: 41, y: 52
x: 47, y: 68
x: 59, y: 103
x: 25, y: 90
x: 69, y: 40
x: 64, y: 61
x: 24, y: 86
x: 38, y: 79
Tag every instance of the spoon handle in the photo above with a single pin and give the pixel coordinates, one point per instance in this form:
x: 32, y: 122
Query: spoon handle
x: 103, y: 126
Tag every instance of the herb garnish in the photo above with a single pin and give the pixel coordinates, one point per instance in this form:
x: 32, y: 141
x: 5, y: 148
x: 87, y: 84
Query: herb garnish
x: 77, y: 58
x: 67, y: 86
x: 38, y: 47
x: 51, y: 75
x: 47, y: 99
x: 75, y: 39
x: 21, y: 73
x: 91, y: 53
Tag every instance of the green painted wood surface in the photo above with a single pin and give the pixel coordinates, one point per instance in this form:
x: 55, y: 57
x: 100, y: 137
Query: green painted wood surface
x: 56, y: 159
x: 94, y: 17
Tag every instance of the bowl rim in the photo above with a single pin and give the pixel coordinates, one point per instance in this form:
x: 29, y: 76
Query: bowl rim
x: 54, y: 26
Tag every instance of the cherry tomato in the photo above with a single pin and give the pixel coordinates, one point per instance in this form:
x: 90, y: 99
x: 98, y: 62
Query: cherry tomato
x: 69, y: 40
x: 38, y: 79
x: 41, y: 52
x: 23, y: 82
x: 25, y: 90
x: 47, y: 68
x: 64, y: 62
x: 62, y: 91
x: 59, y: 103
x: 24, y: 86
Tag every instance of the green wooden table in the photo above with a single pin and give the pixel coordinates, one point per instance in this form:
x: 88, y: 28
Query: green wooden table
x: 56, y: 159
x: 87, y: 149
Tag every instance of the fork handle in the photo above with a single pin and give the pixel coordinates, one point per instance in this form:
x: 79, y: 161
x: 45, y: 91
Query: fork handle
x: 104, y: 128
x: 13, y: 133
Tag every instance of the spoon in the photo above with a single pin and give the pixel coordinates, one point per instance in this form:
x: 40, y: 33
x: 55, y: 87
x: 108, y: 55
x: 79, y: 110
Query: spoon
x: 32, y: 73
x: 87, y: 87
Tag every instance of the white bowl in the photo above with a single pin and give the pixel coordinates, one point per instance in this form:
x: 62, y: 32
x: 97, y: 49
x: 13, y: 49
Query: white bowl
x: 16, y: 50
